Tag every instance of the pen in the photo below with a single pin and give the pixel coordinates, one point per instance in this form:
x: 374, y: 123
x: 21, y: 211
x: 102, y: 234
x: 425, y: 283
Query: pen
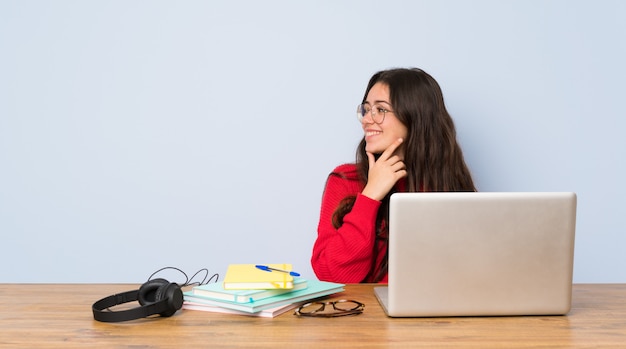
x: 266, y: 268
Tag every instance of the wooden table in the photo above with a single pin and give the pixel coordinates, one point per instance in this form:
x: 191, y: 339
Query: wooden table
x: 59, y: 316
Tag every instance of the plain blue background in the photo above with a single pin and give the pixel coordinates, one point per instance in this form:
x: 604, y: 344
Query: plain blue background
x: 141, y: 134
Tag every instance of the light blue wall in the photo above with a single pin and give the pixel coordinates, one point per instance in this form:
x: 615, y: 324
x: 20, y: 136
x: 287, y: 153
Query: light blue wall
x: 140, y: 134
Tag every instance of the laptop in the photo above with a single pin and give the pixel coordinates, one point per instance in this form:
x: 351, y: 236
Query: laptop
x: 479, y: 254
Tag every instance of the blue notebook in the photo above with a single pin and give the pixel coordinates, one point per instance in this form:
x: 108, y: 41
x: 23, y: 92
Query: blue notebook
x: 216, y: 291
x: 314, y: 290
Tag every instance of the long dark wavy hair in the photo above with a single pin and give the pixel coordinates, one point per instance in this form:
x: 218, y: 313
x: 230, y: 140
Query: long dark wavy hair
x: 432, y: 155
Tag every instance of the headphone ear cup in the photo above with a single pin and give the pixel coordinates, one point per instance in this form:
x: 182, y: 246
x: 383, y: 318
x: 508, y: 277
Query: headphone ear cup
x: 148, y: 292
x: 174, y: 296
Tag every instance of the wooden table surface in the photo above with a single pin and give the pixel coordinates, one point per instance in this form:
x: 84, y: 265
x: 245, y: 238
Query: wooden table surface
x: 59, y: 316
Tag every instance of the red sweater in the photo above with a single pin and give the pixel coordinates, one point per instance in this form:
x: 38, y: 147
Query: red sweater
x: 345, y: 255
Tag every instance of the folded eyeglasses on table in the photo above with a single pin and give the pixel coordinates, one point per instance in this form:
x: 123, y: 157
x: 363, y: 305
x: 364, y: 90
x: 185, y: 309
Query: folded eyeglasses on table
x: 342, y: 307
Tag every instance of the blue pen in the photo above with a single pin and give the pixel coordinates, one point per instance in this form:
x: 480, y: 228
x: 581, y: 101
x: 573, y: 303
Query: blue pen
x: 266, y: 268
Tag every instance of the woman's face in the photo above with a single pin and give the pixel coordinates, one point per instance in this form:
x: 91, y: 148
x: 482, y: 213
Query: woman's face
x: 379, y: 136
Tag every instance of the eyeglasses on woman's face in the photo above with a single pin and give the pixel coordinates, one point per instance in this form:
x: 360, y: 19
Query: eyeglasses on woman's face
x: 377, y: 112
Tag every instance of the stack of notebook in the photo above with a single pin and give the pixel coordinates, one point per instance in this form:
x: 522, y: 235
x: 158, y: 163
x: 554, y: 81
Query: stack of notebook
x: 265, y: 291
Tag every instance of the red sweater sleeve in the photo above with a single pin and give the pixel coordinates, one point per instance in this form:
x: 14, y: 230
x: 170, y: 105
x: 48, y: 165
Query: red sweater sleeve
x: 345, y: 254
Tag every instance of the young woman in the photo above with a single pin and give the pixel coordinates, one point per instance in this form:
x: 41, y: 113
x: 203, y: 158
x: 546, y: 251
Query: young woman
x: 409, y: 144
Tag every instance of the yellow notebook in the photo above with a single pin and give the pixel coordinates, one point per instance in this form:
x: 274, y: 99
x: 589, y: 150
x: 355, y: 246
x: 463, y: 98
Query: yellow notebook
x: 247, y: 277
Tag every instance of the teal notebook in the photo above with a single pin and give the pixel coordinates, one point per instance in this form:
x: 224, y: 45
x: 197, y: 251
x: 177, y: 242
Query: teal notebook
x: 216, y: 291
x: 314, y: 290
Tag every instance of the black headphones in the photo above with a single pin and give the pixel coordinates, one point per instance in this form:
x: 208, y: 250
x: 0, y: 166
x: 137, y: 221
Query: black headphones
x: 157, y: 296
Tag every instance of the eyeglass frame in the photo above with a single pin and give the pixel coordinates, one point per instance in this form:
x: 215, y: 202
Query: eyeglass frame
x: 374, y: 110
x: 358, y: 309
